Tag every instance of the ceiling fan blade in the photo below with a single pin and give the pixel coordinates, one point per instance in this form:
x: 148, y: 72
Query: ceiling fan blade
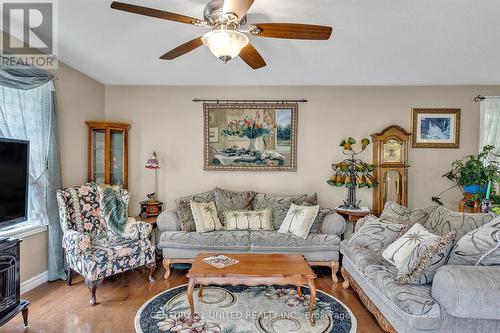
x: 252, y: 57
x: 237, y: 7
x: 292, y: 31
x: 183, y: 49
x: 151, y: 12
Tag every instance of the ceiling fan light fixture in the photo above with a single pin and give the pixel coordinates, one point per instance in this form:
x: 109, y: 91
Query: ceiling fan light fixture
x: 225, y: 44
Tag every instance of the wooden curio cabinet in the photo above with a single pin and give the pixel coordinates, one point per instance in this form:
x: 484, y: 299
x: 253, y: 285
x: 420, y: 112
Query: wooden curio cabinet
x: 108, y: 152
x: 390, y: 157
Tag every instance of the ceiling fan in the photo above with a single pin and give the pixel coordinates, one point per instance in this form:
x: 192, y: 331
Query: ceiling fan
x: 227, y: 37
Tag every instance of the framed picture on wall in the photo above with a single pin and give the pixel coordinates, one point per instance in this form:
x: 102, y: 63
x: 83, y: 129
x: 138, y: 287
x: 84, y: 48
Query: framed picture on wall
x: 436, y: 128
x: 250, y: 137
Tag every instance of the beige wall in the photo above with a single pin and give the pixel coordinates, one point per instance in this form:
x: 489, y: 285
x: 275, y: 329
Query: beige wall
x: 166, y: 120
x: 79, y: 98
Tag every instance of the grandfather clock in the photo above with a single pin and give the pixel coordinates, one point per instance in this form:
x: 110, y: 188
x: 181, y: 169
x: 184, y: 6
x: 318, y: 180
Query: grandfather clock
x: 390, y: 157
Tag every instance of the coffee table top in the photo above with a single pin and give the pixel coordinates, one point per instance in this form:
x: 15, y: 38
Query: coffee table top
x: 255, y: 265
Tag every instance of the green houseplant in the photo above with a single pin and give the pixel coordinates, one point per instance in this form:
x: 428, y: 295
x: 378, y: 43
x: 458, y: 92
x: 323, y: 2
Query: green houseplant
x: 473, y: 174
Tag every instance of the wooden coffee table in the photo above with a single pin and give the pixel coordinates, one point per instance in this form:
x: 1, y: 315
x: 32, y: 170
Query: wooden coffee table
x: 253, y: 270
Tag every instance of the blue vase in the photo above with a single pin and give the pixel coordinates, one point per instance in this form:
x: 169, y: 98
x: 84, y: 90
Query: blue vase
x: 473, y: 189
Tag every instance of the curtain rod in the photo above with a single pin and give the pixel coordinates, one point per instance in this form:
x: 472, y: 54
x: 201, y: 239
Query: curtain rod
x: 236, y: 101
x: 479, y: 98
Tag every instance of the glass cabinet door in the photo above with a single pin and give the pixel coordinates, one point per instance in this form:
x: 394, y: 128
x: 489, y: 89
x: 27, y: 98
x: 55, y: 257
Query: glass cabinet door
x: 99, y: 156
x: 117, y: 144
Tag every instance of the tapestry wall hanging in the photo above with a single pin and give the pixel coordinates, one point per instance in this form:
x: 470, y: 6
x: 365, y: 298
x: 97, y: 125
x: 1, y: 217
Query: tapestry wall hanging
x: 250, y: 137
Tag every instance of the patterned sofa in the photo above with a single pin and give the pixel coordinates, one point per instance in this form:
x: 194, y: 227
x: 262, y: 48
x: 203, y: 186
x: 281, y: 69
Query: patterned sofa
x: 321, y: 247
x: 88, y: 251
x: 460, y: 298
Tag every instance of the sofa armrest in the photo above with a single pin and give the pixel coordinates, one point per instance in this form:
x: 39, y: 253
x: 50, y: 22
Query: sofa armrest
x: 76, y: 241
x: 143, y: 229
x: 168, y: 221
x: 468, y: 291
x: 333, y: 224
x: 359, y: 223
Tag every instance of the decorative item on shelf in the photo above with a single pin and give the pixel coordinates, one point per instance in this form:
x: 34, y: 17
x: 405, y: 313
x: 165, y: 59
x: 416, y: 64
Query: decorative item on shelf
x: 390, y: 157
x: 250, y: 136
x: 476, y: 176
x: 352, y: 172
x: 152, y: 207
x: 436, y: 128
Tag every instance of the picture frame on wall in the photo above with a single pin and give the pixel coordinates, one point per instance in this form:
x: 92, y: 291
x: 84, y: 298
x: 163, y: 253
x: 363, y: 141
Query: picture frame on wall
x: 435, y: 128
x: 250, y: 137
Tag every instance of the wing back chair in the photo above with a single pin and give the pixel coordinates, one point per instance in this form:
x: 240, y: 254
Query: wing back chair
x: 88, y: 250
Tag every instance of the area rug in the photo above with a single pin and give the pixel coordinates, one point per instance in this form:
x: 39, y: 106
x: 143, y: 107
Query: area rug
x: 241, y: 309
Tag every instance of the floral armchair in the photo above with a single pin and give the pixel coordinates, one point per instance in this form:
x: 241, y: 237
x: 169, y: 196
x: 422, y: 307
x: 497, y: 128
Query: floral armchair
x: 88, y: 250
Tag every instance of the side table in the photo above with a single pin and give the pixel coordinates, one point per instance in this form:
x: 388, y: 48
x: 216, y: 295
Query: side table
x: 474, y: 205
x: 352, y: 216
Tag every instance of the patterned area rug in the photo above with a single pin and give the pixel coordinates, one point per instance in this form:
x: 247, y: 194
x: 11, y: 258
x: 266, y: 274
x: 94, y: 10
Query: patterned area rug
x: 243, y: 309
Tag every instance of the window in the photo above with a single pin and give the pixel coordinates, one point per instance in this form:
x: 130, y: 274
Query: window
x: 26, y: 114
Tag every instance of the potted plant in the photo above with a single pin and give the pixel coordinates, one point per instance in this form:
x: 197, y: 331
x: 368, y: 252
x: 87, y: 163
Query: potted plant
x: 474, y: 174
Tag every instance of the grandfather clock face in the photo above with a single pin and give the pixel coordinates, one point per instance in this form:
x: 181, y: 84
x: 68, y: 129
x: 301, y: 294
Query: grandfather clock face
x: 392, y: 151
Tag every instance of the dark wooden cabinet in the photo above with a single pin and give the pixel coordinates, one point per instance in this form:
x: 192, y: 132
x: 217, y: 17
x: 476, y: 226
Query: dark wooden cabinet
x: 108, y: 152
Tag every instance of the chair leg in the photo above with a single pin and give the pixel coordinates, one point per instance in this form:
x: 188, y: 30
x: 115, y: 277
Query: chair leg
x: 152, y: 268
x: 346, y: 284
x: 68, y: 276
x: 335, y: 268
x: 166, y: 265
x: 92, y: 287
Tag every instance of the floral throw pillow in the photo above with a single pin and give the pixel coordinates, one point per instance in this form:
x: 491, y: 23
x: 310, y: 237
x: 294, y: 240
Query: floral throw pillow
x: 113, y: 201
x: 299, y: 220
x: 205, y: 216
x: 399, y: 251
x: 421, y: 266
x: 376, y: 234
x: 249, y: 219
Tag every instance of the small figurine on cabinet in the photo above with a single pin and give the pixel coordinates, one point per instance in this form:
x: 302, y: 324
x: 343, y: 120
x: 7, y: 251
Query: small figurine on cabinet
x: 152, y: 207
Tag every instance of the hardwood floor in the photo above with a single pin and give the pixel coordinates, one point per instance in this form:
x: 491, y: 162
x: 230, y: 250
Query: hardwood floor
x: 56, y: 307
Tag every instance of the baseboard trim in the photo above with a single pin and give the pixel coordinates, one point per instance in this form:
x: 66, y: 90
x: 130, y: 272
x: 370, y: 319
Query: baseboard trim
x: 34, y: 282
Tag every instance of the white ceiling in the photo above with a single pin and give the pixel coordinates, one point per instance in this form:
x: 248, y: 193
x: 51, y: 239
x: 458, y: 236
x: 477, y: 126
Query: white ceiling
x: 375, y: 42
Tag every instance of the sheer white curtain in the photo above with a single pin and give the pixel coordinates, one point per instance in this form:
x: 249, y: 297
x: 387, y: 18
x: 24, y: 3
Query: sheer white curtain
x: 26, y: 114
x: 489, y: 132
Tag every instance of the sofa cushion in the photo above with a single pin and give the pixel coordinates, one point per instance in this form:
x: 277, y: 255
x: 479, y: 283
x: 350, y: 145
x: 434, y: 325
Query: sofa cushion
x: 281, y: 204
x: 229, y: 200
x: 376, y: 234
x: 272, y: 240
x: 395, y: 213
x: 362, y: 257
x: 184, y: 213
x: 480, y: 247
x: 430, y: 254
x: 299, y: 220
x: 205, y: 216
x: 443, y: 221
x: 248, y: 219
x: 318, y: 221
x: 414, y: 300
x: 209, y: 241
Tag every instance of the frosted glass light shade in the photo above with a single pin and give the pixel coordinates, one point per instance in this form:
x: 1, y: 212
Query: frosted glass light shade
x: 225, y: 44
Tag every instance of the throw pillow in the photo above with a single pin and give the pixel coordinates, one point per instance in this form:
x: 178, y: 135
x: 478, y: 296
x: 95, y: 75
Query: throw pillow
x: 248, y: 219
x: 113, y: 203
x: 421, y: 266
x: 299, y: 220
x: 205, y: 216
x: 376, y: 234
x: 397, y: 252
x: 186, y: 220
x: 318, y: 221
x: 480, y: 247
x: 229, y: 200
x: 280, y: 204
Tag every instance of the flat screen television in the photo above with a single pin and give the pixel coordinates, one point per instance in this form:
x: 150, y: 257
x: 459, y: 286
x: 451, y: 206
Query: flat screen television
x: 14, y: 164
